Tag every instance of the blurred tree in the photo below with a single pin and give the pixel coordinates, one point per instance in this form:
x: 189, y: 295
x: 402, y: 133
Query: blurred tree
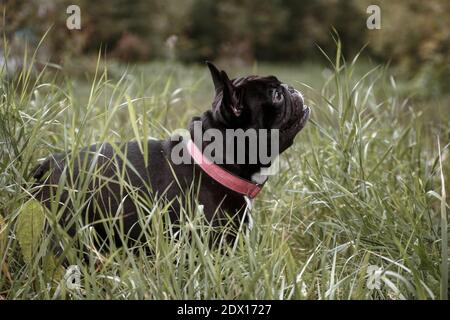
x: 273, y: 29
x: 24, y: 24
x: 119, y: 22
x: 414, y: 34
x: 202, y: 37
x: 249, y: 28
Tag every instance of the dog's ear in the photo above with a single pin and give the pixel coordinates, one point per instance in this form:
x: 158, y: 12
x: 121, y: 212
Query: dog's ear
x: 230, y: 95
x: 225, y: 88
x: 215, y: 75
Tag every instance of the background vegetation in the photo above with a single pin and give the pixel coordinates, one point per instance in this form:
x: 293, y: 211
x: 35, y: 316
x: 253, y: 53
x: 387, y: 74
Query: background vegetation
x: 363, y: 186
x: 414, y: 35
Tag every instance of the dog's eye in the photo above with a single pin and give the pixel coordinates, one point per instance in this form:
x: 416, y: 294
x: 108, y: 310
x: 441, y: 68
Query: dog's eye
x: 277, y: 96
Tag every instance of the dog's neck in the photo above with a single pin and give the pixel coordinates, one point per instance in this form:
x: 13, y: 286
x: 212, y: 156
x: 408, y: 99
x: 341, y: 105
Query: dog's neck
x: 246, y: 171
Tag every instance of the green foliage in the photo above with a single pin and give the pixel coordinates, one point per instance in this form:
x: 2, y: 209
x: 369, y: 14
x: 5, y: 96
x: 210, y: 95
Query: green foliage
x: 29, y: 229
x: 361, y: 187
x: 3, y: 233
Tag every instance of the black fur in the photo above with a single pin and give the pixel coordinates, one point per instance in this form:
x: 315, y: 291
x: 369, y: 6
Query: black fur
x: 239, y: 103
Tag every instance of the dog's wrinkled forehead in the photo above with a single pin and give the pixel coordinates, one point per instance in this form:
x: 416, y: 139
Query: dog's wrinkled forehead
x: 248, y: 80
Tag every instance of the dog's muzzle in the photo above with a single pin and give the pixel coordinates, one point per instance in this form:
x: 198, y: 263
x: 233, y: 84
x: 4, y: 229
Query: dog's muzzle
x: 295, y: 94
x: 299, y: 112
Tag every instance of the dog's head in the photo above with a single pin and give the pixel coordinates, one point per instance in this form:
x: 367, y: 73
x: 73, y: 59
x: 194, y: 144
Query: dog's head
x: 256, y: 102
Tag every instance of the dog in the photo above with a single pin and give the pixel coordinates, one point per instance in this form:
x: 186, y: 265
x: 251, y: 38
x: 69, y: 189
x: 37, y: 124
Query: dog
x: 224, y: 190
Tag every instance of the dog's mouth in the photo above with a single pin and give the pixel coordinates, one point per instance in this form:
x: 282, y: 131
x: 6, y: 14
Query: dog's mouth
x: 296, y: 124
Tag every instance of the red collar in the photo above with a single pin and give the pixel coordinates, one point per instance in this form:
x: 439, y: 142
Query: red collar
x: 222, y: 176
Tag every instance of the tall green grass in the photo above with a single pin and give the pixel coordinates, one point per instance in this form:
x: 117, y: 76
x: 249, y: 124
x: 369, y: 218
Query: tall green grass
x: 362, y: 189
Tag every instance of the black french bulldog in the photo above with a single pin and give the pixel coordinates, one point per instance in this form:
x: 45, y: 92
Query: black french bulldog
x: 252, y: 102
